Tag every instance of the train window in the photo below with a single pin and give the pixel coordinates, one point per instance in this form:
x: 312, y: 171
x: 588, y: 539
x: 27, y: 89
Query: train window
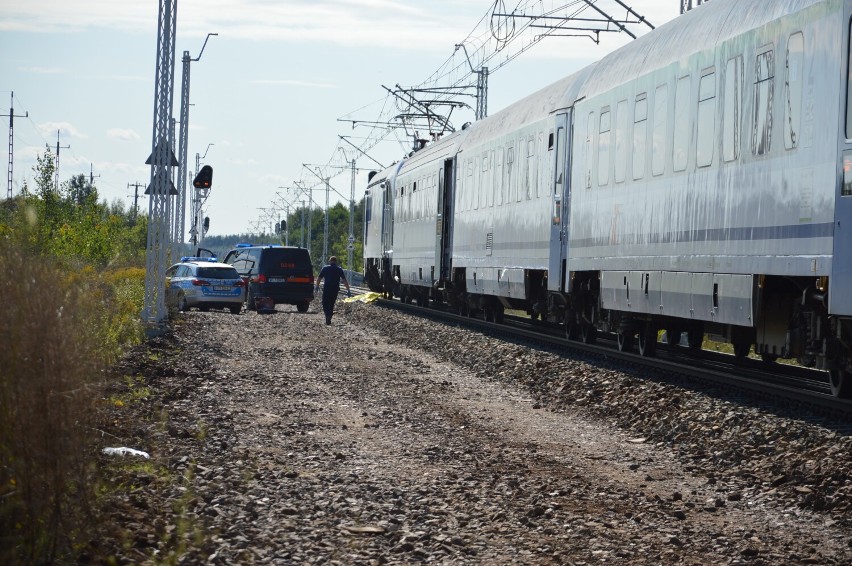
x: 538, y: 161
x: 682, y: 124
x: 640, y: 134
x: 530, y: 176
x: 761, y: 135
x: 706, y: 135
x: 661, y: 127
x: 498, y: 176
x: 510, y: 169
x: 794, y: 82
x: 621, y: 141
x: 550, y: 141
x: 603, y: 147
x: 590, y: 132
x: 732, y: 109
x: 479, y: 197
x: 560, y: 160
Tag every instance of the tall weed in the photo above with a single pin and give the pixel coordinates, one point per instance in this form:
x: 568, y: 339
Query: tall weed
x: 59, y: 329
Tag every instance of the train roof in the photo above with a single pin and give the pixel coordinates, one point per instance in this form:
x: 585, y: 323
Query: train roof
x: 539, y: 105
x: 697, y: 30
x: 445, y: 147
x: 387, y: 172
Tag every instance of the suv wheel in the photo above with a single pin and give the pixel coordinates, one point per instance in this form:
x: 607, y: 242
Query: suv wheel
x: 302, y: 307
x: 250, y: 304
x: 236, y: 309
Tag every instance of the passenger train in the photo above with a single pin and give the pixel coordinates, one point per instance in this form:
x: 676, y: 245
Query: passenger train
x: 697, y: 181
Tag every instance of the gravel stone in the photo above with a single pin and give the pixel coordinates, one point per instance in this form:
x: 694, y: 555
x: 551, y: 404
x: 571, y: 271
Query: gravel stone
x: 391, y: 439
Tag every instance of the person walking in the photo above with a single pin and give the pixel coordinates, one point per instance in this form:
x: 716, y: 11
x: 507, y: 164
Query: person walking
x: 332, y: 274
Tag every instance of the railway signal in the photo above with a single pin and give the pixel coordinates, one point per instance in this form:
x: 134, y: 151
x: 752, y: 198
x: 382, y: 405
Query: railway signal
x: 204, y: 178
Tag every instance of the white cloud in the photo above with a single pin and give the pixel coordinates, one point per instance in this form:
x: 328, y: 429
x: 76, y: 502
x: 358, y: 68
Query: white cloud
x: 123, y: 134
x: 66, y: 130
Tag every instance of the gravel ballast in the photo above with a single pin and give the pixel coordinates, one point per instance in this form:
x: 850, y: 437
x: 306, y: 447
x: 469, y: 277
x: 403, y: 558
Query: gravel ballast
x: 392, y: 439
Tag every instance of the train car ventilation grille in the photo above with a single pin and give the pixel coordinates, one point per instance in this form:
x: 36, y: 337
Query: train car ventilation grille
x: 489, y: 242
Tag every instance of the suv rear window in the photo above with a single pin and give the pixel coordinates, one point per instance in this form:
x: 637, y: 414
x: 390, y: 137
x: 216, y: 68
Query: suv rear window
x: 283, y: 261
x: 218, y: 273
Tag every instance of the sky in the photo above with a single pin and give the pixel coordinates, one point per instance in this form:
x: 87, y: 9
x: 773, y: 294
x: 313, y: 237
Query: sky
x: 271, y: 93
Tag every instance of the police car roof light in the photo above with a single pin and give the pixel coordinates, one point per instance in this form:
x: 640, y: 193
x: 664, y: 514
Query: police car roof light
x: 195, y: 258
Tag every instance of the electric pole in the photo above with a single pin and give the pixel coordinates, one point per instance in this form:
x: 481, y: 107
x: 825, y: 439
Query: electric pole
x: 183, y: 144
x: 136, y: 187
x: 92, y: 176
x: 161, y: 189
x: 12, y: 117
x: 58, y: 147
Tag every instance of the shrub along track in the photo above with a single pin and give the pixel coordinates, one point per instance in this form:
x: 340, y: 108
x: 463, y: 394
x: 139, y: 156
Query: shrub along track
x: 388, y: 439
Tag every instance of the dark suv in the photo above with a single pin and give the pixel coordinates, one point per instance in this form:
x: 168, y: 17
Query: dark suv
x: 282, y: 273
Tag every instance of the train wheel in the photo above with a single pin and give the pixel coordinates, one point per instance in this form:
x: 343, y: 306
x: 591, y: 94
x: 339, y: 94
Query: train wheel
x: 840, y: 381
x: 695, y: 338
x: 572, y: 330
x: 625, y: 341
x: 487, y: 314
x: 499, y: 314
x: 588, y: 334
x: 768, y: 358
x: 741, y: 350
x: 648, y: 340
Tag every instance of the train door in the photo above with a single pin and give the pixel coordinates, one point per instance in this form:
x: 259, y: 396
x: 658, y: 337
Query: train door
x: 840, y: 300
x: 559, y: 217
x: 444, y: 222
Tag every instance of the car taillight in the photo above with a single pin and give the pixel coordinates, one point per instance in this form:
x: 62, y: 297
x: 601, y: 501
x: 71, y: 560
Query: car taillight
x: 200, y: 282
x: 240, y: 283
x: 261, y: 278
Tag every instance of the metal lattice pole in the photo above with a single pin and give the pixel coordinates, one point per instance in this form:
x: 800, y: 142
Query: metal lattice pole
x: 160, y: 188
x: 180, y: 202
x: 350, y: 246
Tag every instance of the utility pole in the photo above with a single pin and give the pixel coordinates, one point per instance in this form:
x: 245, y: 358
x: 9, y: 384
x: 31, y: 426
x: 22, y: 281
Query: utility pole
x: 196, y: 229
x: 183, y: 143
x: 350, y: 246
x: 161, y: 189
x: 687, y: 5
x: 92, y: 176
x: 324, y: 180
x: 481, y: 85
x: 58, y: 147
x: 135, y: 198
x: 12, y: 117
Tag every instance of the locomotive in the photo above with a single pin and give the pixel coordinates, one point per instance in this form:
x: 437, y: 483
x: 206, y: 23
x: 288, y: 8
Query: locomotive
x: 697, y: 181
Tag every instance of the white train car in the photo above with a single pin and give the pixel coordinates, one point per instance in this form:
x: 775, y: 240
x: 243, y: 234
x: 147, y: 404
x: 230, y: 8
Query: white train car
x: 420, y: 203
x: 708, y: 190
x: 504, y: 204
x: 697, y: 180
x: 378, y: 229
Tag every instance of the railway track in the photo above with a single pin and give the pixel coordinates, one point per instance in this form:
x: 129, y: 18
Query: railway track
x: 770, y: 381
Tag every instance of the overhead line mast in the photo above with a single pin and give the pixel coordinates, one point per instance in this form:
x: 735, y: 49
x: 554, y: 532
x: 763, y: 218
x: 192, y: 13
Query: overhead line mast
x: 12, y: 117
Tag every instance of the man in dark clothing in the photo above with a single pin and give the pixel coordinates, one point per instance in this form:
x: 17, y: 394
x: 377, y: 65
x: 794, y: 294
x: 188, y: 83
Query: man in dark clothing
x: 332, y: 275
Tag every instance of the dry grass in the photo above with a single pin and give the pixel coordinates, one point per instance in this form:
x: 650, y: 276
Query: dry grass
x: 52, y: 327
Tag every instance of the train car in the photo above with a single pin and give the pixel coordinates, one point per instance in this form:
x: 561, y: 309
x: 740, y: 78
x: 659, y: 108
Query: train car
x: 697, y: 181
x: 708, y: 191
x: 422, y: 199
x: 378, y: 229
x: 504, y: 204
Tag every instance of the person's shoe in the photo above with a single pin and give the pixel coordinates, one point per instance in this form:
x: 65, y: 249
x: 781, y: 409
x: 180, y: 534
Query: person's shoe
x: 328, y: 322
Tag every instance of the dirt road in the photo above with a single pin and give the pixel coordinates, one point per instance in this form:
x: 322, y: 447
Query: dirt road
x: 391, y: 440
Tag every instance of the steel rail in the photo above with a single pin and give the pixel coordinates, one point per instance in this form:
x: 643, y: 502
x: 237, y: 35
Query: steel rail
x: 785, y: 382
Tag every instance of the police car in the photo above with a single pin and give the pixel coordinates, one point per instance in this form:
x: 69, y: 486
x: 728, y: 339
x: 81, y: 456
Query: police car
x: 204, y: 283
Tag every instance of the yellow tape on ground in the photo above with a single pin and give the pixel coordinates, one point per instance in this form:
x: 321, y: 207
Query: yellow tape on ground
x: 365, y: 298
